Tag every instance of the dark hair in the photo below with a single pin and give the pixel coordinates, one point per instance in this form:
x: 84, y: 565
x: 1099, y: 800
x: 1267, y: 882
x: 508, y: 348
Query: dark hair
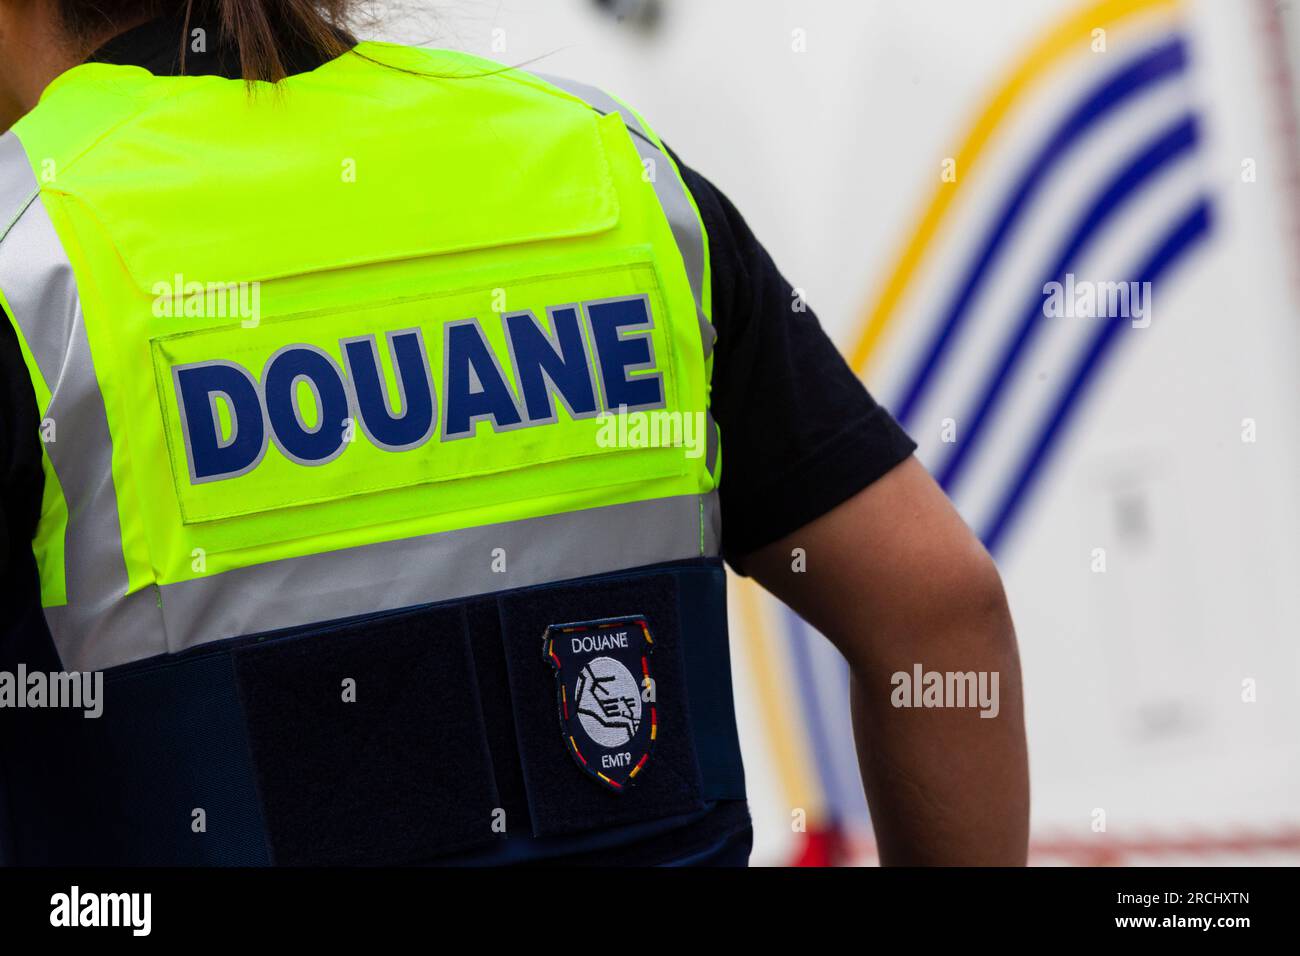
x: 262, y: 31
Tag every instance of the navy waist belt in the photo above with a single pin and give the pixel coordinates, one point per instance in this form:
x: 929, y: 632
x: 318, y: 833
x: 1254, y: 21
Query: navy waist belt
x: 396, y: 738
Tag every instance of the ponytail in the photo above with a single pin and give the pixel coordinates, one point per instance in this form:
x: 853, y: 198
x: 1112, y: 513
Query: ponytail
x: 259, y: 29
x: 262, y: 31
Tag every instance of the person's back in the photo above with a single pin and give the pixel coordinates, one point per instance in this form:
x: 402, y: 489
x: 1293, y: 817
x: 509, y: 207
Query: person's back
x: 377, y: 379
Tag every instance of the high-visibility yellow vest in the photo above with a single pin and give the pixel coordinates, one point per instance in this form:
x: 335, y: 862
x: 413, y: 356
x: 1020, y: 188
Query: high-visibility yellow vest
x: 401, y: 334
x: 187, y: 260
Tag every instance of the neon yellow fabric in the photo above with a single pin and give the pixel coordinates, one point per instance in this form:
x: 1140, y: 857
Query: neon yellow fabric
x: 360, y: 200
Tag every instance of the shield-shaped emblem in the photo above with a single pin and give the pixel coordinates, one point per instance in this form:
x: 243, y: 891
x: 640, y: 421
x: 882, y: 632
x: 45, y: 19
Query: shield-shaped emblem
x: 605, y: 695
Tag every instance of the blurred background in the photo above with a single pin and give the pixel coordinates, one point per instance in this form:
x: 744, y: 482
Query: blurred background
x: 920, y: 169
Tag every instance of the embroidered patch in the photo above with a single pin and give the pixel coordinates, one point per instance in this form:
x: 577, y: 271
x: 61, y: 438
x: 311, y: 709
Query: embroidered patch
x: 605, y: 695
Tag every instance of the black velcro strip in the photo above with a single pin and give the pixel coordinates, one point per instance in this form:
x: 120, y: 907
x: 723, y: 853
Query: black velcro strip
x: 498, y: 718
x: 399, y: 775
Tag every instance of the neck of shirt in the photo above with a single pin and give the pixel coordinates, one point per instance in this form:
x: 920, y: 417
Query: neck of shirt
x: 169, y: 45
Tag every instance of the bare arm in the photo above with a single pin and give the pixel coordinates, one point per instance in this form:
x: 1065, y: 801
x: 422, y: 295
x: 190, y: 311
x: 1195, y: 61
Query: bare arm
x: 895, y: 578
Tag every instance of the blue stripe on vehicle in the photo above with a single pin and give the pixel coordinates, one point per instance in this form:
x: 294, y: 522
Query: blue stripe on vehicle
x: 797, y: 637
x: 1190, y: 228
x: 1165, y: 149
x: 1161, y: 63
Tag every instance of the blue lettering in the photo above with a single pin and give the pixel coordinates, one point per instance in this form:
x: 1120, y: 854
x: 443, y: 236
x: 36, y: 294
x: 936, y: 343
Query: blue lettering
x: 415, y: 392
x: 551, y: 363
x: 619, y: 354
x: 288, y: 367
x: 474, y: 385
x: 211, y: 454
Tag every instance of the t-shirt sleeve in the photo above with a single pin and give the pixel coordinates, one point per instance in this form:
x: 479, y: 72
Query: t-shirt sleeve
x: 800, y: 434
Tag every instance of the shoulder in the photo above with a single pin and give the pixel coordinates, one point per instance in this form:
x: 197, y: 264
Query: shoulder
x: 466, y: 72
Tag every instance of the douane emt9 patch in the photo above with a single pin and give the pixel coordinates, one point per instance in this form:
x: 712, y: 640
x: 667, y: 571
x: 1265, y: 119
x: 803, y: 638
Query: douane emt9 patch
x: 605, y: 695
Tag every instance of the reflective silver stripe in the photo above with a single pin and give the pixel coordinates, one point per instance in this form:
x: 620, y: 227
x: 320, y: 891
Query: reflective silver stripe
x: 39, y: 286
x: 17, y: 183
x: 677, y: 207
x: 670, y: 189
x: 432, y: 568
